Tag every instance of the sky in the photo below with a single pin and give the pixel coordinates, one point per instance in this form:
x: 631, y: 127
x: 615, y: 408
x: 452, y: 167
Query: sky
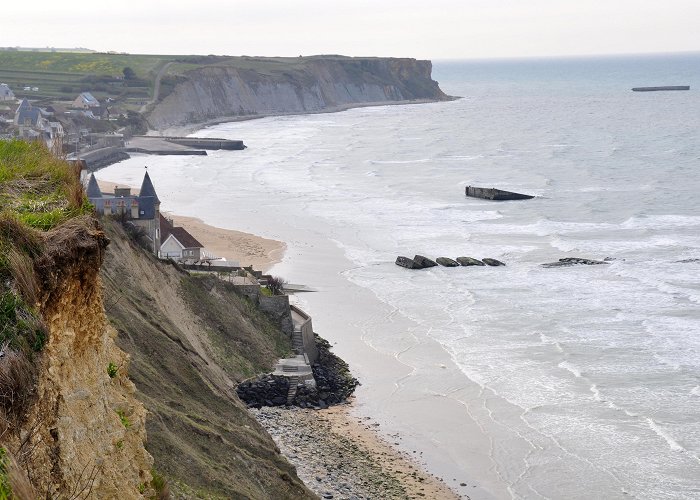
x: 435, y: 29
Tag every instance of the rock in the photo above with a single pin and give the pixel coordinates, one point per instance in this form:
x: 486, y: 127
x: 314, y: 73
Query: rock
x: 493, y: 262
x: 424, y: 262
x: 447, y: 262
x: 574, y: 261
x: 469, y: 261
x: 407, y: 263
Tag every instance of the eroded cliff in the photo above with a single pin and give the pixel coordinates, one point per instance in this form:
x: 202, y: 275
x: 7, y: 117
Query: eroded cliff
x: 69, y: 418
x: 246, y: 86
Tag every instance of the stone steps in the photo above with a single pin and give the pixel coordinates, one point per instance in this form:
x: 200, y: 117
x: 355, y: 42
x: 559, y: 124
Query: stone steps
x: 293, y: 381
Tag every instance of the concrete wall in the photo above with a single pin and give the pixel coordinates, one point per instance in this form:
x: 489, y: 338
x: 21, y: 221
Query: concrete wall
x: 276, y: 307
x: 307, y: 335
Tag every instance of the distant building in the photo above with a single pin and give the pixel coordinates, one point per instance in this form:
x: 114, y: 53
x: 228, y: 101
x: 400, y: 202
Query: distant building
x: 27, y: 115
x: 142, y: 210
x: 6, y: 93
x: 86, y: 101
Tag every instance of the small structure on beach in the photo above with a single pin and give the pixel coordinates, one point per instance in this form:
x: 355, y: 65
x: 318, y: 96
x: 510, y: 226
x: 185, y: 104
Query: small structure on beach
x: 495, y: 194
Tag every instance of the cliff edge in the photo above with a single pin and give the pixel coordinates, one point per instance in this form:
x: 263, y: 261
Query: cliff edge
x: 68, y: 412
x: 251, y: 87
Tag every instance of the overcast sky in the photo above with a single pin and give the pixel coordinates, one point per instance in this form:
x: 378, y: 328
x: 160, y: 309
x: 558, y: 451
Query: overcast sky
x: 436, y: 29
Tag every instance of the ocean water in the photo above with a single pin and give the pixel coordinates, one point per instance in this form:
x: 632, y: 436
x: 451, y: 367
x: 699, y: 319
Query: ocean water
x: 585, y: 381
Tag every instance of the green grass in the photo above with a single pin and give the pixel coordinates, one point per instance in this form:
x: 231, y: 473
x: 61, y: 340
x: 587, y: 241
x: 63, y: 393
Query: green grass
x: 36, y: 188
x: 124, y: 419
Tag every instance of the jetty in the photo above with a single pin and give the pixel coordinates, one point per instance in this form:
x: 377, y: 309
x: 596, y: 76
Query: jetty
x: 662, y: 88
x: 494, y: 194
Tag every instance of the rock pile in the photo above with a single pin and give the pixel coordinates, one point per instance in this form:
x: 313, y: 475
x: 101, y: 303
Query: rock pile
x: 574, y: 261
x: 334, y: 384
x: 421, y: 262
x: 268, y: 390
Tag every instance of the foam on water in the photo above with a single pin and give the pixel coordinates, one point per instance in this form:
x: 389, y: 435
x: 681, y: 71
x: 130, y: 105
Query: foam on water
x: 588, y: 377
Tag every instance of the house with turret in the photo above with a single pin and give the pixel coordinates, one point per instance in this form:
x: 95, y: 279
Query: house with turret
x: 141, y: 210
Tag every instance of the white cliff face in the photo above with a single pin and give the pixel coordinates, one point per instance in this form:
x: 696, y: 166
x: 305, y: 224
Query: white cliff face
x: 318, y: 84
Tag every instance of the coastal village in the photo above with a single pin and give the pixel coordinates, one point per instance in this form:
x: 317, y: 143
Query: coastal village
x: 82, y: 124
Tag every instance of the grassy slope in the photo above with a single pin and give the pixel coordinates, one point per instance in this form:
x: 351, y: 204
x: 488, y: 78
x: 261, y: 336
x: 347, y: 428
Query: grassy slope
x: 190, y: 339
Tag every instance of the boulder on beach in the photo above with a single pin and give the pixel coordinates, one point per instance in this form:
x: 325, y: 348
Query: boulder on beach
x: 407, y: 262
x: 493, y: 262
x: 447, y: 262
x: 424, y: 261
x: 574, y: 261
x: 469, y: 261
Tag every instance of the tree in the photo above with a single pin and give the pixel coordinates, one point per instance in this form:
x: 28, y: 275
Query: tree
x: 129, y: 73
x: 276, y: 285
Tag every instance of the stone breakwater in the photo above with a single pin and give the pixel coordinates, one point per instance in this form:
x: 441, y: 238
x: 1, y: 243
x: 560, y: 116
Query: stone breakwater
x: 421, y: 262
x: 334, y: 384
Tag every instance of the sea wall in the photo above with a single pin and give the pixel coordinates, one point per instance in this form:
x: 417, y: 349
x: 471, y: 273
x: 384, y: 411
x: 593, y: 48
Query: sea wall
x: 309, y: 85
x: 307, y: 335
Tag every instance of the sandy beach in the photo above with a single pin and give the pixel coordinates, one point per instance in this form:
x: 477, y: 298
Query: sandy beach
x: 244, y: 248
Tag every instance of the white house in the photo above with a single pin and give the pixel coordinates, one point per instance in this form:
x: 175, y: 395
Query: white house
x: 178, y: 244
x: 6, y: 93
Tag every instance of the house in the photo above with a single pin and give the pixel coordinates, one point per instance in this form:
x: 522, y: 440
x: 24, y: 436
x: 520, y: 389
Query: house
x: 6, y: 93
x: 179, y: 244
x: 27, y: 115
x: 86, y: 101
x: 142, y: 210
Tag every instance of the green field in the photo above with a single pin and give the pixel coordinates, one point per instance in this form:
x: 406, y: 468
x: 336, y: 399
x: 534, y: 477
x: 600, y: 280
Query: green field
x: 63, y: 75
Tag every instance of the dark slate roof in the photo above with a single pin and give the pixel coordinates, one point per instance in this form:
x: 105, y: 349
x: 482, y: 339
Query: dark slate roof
x: 147, y: 188
x: 165, y: 227
x: 185, y: 238
x: 26, y: 111
x: 93, y: 190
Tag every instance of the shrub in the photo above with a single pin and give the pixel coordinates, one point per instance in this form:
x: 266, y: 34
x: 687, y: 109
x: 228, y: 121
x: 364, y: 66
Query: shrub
x: 276, y: 285
x: 20, y: 328
x: 112, y: 370
x: 124, y: 419
x: 16, y: 382
x: 160, y: 485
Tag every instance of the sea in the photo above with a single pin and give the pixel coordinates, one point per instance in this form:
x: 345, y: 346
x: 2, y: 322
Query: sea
x: 519, y: 381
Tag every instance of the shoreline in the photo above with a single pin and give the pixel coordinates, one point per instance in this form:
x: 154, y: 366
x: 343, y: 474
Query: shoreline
x: 119, y: 154
x: 194, y: 127
x: 348, y: 458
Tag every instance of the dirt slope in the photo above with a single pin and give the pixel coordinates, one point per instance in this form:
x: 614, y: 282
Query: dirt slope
x: 190, y: 341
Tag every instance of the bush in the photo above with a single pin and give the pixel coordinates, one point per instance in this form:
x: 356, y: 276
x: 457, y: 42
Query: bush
x: 275, y: 285
x: 112, y: 370
x: 20, y: 327
x: 124, y: 419
x: 16, y: 383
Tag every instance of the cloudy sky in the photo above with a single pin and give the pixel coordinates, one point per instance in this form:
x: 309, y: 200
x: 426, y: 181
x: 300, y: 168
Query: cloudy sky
x: 436, y: 29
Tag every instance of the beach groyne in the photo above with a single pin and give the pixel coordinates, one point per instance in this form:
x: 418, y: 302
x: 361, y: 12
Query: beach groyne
x: 254, y: 87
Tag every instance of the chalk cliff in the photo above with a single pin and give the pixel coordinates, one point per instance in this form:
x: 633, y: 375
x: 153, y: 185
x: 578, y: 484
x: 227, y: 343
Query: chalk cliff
x: 272, y: 86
